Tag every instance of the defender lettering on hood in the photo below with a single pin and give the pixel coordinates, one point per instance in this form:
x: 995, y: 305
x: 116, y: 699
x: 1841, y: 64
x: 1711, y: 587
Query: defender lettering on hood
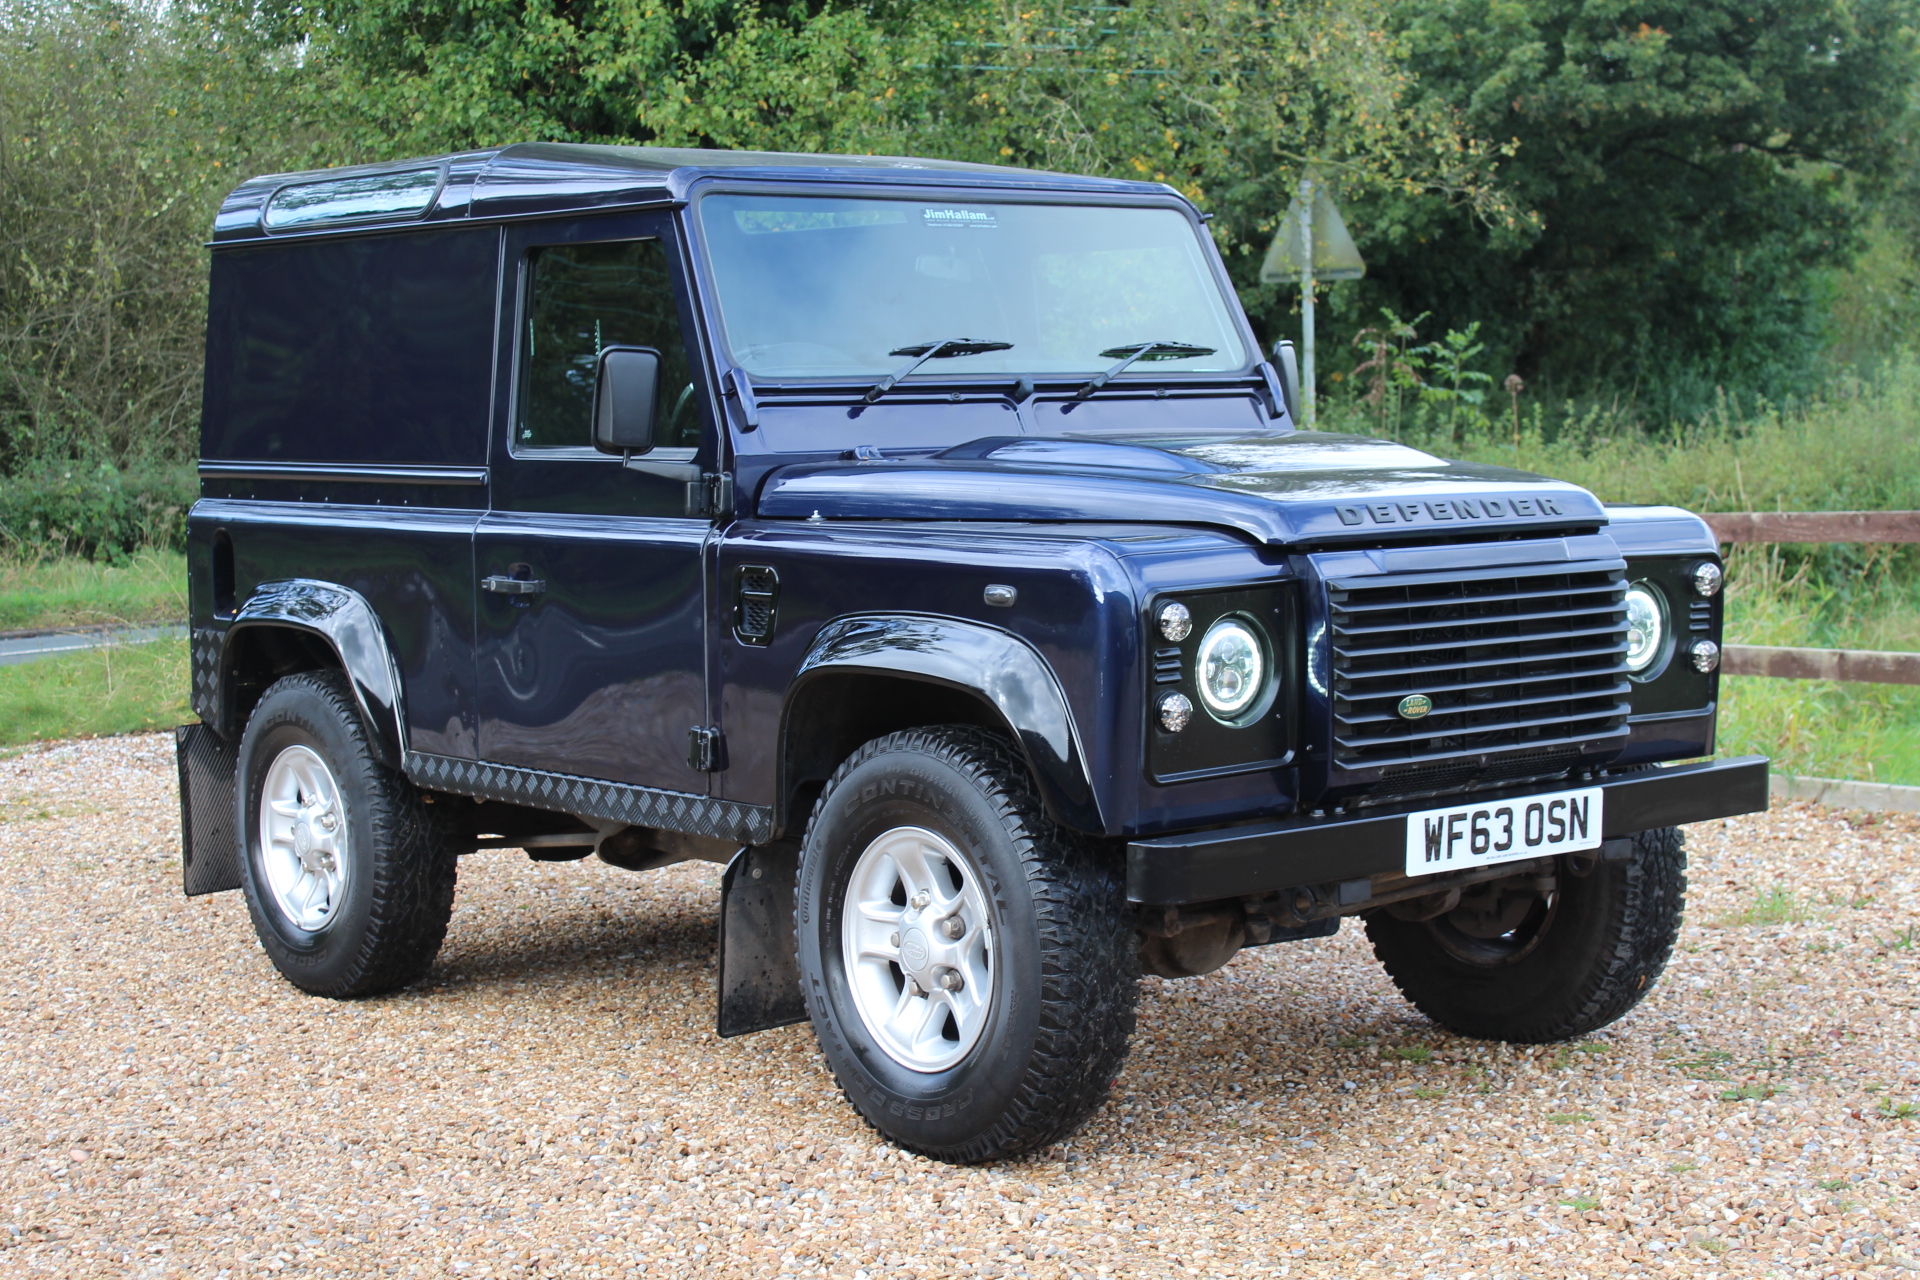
x: 1452, y: 509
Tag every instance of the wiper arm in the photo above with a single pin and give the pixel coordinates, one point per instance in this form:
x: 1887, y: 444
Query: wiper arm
x: 1139, y: 351
x: 925, y: 351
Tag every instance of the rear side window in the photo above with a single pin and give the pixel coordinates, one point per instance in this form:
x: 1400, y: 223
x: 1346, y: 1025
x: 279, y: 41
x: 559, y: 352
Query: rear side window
x: 370, y: 349
x: 581, y: 299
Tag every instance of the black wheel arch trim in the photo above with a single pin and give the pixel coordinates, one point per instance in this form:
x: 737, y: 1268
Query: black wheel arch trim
x: 996, y: 667
x: 343, y: 620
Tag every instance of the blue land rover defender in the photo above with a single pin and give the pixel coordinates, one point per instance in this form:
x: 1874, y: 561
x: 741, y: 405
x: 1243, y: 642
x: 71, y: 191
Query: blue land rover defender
x: 932, y: 546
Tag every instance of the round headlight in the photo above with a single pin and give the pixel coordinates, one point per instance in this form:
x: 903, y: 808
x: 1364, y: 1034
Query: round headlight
x: 1232, y: 668
x: 1707, y: 578
x: 1646, y: 627
x: 1176, y: 624
x: 1176, y: 709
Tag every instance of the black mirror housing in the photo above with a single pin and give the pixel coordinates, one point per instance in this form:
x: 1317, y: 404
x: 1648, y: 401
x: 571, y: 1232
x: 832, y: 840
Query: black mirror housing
x: 625, y: 399
x: 1289, y: 367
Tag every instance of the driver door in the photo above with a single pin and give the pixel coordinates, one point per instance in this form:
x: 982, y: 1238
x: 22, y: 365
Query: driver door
x: 591, y: 614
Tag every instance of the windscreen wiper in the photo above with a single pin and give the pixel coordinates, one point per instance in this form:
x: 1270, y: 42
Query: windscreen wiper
x: 1139, y: 351
x: 925, y: 351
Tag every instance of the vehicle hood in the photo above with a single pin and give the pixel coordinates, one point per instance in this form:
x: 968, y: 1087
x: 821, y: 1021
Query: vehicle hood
x: 1300, y: 487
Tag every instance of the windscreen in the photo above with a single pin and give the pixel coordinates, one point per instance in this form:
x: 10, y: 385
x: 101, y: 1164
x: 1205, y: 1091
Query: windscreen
x: 818, y: 287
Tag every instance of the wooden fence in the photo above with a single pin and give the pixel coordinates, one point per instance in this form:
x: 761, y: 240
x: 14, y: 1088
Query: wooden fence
x: 1815, y: 526
x: 1861, y: 666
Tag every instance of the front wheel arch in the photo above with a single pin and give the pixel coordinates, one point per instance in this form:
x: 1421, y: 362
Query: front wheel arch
x: 870, y: 675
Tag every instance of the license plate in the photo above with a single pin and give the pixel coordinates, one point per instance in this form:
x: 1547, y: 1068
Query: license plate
x: 1473, y: 835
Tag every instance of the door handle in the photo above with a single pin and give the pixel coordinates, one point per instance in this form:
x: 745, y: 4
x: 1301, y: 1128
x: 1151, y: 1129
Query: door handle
x: 506, y: 586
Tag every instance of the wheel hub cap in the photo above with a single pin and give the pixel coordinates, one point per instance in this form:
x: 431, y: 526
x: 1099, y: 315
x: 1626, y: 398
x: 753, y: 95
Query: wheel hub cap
x: 914, y: 953
x: 923, y: 994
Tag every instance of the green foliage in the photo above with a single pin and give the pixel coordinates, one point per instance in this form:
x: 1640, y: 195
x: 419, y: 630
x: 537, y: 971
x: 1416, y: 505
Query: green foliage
x: 1228, y: 101
x: 1856, y: 448
x: 1686, y: 171
x: 97, y: 511
x: 120, y: 129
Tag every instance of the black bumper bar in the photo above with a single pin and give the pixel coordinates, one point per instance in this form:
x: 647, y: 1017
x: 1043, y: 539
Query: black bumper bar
x: 1241, y: 861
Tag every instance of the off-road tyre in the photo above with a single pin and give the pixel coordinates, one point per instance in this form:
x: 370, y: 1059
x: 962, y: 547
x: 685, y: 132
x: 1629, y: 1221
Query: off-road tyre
x: 1601, y: 949
x: 398, y: 896
x: 1066, y: 981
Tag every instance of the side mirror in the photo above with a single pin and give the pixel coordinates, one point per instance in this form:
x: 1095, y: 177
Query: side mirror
x: 625, y: 393
x: 1289, y: 367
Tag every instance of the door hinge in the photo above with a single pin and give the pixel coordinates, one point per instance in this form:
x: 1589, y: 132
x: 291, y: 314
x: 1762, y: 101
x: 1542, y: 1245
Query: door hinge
x: 711, y: 495
x: 706, y: 750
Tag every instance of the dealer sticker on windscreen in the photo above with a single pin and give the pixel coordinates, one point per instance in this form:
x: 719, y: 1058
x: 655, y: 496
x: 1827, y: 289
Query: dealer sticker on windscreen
x: 1473, y: 835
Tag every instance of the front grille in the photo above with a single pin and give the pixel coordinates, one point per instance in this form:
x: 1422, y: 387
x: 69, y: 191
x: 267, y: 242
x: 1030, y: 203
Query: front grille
x: 1526, y: 660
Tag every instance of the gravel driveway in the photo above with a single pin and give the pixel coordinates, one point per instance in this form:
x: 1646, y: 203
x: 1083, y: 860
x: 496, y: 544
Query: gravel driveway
x: 551, y: 1100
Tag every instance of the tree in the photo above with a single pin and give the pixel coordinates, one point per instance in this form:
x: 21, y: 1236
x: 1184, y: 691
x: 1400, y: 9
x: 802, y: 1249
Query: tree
x: 1224, y: 99
x: 120, y: 130
x: 1687, y: 168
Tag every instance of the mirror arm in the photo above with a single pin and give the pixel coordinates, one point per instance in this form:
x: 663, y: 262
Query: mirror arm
x: 686, y: 472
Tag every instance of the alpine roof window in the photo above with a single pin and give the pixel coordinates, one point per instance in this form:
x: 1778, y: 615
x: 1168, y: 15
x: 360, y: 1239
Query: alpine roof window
x: 365, y: 197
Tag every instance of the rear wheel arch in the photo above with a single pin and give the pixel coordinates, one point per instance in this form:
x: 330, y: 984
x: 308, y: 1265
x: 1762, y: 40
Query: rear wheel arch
x: 301, y: 625
x: 256, y: 656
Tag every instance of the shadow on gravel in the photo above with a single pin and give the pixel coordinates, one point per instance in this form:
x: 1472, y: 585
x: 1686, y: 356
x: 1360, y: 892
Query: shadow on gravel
x: 575, y: 947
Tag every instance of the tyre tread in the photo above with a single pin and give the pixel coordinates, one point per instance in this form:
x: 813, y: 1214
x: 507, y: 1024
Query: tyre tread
x: 1644, y: 923
x: 1089, y: 957
x: 414, y: 868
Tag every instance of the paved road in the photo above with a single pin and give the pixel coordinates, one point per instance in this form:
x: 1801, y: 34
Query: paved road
x: 32, y: 648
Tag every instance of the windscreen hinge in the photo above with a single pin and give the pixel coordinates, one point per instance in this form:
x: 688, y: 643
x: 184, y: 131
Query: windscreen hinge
x: 711, y: 495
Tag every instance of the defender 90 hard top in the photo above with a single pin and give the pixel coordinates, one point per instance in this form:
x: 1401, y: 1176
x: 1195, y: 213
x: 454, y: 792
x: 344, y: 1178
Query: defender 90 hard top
x: 932, y: 546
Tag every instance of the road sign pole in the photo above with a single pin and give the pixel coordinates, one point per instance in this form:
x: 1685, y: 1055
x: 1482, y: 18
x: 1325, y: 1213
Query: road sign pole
x: 1306, y: 302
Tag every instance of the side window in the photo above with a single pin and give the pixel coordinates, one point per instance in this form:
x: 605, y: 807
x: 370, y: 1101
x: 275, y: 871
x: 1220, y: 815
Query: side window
x: 582, y: 298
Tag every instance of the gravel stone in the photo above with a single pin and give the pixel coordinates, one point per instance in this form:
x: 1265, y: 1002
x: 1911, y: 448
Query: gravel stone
x: 551, y: 1100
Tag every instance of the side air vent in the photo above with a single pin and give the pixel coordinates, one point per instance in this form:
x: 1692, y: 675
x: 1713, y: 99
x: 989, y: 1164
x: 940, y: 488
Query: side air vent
x: 756, y: 606
x: 1166, y: 665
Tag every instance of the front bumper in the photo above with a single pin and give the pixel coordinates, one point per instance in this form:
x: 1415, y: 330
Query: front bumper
x: 1239, y: 862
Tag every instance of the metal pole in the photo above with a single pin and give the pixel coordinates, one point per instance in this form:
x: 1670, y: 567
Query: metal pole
x: 1306, y: 302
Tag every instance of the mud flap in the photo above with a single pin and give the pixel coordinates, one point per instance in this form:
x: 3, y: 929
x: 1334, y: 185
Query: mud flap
x: 209, y: 847
x: 759, y: 971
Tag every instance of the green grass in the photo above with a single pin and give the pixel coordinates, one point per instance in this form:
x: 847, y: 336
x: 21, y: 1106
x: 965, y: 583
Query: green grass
x: 114, y: 689
x: 1776, y: 905
x: 1856, y: 449
x: 41, y: 592
x: 1570, y: 1117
